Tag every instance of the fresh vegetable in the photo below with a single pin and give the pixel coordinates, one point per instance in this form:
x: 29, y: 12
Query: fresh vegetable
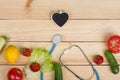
x: 47, y: 67
x: 114, y: 44
x: 26, y: 52
x: 30, y: 75
x: 34, y: 66
x: 98, y: 59
x: 42, y: 57
x: 112, y: 61
x: 58, y: 72
x: 3, y: 40
x: 11, y: 54
x: 15, y: 74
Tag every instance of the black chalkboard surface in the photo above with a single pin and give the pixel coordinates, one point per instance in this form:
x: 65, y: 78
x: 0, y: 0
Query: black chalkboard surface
x: 60, y: 18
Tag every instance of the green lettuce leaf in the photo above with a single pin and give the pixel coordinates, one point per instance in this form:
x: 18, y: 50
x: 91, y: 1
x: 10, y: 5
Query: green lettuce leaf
x: 44, y: 58
x: 47, y: 67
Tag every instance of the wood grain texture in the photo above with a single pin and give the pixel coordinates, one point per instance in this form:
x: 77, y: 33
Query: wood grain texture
x: 74, y: 57
x: 42, y: 9
x: 74, y: 30
x: 90, y: 35
x: 83, y: 71
x: 91, y: 23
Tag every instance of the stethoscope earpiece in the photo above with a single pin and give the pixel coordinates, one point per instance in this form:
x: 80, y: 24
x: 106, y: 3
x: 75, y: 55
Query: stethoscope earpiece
x: 94, y: 70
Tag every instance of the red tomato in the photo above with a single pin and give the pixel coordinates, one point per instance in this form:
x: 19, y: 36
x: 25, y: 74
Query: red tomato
x: 35, y: 66
x: 15, y: 74
x: 114, y: 44
x: 98, y: 59
x: 26, y: 52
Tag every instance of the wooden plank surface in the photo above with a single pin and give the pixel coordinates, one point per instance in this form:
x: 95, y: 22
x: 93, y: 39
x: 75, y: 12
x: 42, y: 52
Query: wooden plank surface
x: 86, y: 73
x: 90, y: 35
x: 74, y: 30
x: 91, y: 23
x: 75, y: 57
x: 42, y: 9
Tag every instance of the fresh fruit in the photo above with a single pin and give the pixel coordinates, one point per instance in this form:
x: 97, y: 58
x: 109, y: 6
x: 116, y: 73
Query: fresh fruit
x: 3, y: 40
x: 26, y: 52
x: 42, y: 57
x: 11, y: 54
x: 34, y: 66
x: 112, y: 61
x: 98, y: 59
x: 58, y: 71
x: 15, y: 74
x: 114, y: 44
x: 30, y: 75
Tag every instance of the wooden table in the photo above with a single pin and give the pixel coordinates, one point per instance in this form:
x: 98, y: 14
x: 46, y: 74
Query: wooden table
x: 91, y: 23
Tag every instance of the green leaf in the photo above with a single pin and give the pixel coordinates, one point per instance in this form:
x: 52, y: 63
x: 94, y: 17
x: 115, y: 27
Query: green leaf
x: 44, y: 58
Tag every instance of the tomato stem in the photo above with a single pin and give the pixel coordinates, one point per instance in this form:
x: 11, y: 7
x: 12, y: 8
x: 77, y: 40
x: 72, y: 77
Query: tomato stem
x: 114, y: 44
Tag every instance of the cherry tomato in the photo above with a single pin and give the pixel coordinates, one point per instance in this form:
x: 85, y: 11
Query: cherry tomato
x: 15, y: 74
x: 114, y: 44
x: 26, y: 52
x: 34, y: 66
x: 98, y: 59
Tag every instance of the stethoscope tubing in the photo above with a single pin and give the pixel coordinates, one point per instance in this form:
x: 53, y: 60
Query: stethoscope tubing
x: 94, y: 70
x: 96, y: 73
x: 51, y: 51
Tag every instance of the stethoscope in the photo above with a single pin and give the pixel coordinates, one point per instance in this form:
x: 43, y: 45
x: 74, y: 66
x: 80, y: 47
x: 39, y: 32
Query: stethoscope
x: 94, y: 70
x: 55, y: 40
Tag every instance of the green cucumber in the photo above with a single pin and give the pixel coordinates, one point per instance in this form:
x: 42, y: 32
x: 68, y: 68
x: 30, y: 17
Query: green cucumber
x: 112, y: 61
x: 3, y: 40
x: 58, y: 71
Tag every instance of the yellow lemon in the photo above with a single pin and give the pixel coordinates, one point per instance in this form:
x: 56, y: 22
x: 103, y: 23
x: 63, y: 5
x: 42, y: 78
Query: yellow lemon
x: 12, y: 54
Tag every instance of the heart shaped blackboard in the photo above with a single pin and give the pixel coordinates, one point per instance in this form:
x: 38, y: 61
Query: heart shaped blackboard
x: 60, y: 18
